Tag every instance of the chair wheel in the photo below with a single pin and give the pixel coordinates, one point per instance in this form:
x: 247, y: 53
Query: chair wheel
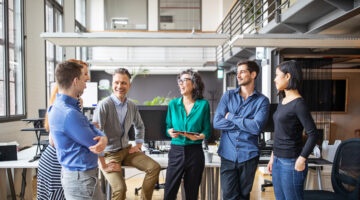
x: 262, y: 189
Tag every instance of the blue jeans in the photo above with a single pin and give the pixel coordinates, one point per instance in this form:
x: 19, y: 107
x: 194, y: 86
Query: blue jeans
x: 81, y: 185
x: 288, y: 183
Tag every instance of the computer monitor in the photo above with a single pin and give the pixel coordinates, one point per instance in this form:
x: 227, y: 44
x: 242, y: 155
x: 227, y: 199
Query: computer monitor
x: 154, y: 118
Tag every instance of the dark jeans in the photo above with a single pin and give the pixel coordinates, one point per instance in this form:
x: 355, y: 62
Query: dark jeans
x: 237, y: 178
x: 185, y: 162
x: 288, y: 183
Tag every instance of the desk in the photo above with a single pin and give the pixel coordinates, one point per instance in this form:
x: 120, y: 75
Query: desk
x: 210, y: 181
x: 22, y: 168
x: 38, y: 128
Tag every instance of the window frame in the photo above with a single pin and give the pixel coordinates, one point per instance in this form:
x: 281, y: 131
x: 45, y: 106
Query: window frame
x: 57, y: 12
x: 8, y: 117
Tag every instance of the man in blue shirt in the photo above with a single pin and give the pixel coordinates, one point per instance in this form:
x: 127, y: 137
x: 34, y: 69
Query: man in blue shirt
x: 240, y: 115
x: 76, y: 140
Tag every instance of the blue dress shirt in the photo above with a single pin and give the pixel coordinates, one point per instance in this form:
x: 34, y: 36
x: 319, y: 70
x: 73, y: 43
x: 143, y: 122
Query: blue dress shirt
x: 241, y: 129
x: 73, y: 134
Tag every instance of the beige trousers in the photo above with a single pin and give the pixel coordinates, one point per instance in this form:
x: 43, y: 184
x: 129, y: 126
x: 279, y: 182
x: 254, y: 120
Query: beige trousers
x: 141, y: 162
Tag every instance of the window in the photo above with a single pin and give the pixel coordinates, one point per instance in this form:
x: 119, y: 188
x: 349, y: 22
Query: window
x: 80, y: 26
x: 80, y: 12
x: 54, y: 54
x: 12, y: 104
x: 180, y: 15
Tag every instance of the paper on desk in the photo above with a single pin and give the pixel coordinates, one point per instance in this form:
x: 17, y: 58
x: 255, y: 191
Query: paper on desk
x: 9, y: 143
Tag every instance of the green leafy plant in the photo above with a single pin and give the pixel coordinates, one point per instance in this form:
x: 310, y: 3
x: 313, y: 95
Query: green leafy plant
x: 158, y: 100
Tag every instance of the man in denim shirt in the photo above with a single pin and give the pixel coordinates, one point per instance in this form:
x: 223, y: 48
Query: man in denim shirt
x: 240, y: 115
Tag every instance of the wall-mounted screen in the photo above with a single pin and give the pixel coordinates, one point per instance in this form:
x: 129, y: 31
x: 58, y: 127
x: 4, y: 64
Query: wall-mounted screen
x: 325, y: 95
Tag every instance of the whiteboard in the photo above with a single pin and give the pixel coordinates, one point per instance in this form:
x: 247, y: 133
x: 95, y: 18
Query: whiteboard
x: 90, y: 95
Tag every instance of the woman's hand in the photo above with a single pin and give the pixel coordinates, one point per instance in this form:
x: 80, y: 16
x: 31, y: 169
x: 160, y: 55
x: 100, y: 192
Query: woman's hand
x: 270, y: 163
x: 200, y: 136
x: 173, y: 134
x: 300, y: 164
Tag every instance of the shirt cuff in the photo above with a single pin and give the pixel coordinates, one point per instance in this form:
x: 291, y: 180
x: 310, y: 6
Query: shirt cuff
x: 139, y: 141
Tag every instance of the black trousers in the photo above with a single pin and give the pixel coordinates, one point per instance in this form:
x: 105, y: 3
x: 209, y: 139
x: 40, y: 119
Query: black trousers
x: 237, y: 178
x: 185, y: 162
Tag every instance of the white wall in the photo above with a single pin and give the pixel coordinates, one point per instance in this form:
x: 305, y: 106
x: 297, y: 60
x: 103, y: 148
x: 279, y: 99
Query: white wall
x: 213, y: 11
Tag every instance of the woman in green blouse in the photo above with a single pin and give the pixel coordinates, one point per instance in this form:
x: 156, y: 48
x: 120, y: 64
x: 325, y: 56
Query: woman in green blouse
x: 188, y: 124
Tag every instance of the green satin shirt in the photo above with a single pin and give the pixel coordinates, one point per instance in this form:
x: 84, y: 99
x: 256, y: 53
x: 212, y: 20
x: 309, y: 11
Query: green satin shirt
x: 198, y: 120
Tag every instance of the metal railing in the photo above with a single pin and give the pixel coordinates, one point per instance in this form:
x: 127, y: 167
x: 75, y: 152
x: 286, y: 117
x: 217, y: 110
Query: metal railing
x: 248, y: 17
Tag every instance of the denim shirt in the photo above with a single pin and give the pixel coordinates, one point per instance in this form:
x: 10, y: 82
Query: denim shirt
x: 240, y: 131
x: 73, y: 134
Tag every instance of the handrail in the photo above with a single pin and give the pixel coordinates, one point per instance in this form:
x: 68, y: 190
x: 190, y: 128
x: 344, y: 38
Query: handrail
x: 248, y: 16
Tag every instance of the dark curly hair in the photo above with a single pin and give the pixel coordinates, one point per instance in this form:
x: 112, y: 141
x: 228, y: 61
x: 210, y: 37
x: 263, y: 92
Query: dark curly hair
x: 199, y: 85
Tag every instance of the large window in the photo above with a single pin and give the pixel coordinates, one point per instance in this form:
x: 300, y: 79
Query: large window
x: 12, y: 106
x: 80, y: 26
x: 54, y: 54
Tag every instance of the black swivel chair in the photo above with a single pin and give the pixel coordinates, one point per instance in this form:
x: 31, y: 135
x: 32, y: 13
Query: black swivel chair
x: 345, y: 174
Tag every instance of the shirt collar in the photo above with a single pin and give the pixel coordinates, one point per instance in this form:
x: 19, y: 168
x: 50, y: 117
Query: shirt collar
x: 256, y: 93
x: 117, y: 101
x: 68, y: 100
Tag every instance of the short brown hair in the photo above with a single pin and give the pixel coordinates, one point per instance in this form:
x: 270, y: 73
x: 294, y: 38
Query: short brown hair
x: 122, y: 71
x: 65, y: 73
x: 252, y: 66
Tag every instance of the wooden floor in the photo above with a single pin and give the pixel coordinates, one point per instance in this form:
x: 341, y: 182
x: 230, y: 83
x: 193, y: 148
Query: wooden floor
x: 256, y: 194
x: 134, y: 179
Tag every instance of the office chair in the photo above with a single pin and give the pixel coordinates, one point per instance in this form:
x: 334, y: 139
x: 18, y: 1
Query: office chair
x: 266, y: 151
x: 157, y: 186
x: 345, y: 174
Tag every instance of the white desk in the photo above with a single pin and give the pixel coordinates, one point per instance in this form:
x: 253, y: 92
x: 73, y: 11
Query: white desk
x: 22, y: 167
x: 210, y: 181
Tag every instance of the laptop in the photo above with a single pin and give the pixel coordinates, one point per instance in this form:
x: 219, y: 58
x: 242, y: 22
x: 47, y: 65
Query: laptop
x: 8, y: 152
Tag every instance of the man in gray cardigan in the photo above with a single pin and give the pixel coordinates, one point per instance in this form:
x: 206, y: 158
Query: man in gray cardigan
x: 114, y: 115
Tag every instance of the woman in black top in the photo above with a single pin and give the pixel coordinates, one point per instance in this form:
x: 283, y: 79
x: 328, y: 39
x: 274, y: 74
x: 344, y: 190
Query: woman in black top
x: 288, y: 159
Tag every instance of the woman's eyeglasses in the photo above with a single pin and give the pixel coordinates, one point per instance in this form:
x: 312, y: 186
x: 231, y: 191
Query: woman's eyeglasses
x: 183, y: 80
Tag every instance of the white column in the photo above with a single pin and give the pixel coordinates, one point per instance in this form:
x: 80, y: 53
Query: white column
x: 153, y: 24
x: 69, y: 25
